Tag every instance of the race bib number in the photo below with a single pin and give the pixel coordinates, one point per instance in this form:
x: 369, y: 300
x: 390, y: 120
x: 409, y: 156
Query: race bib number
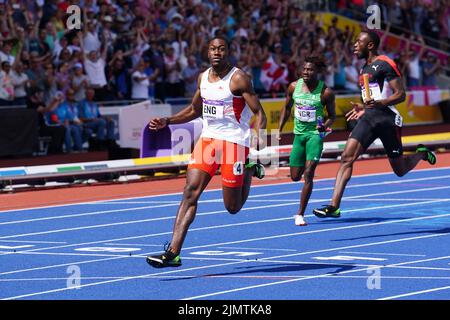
x: 375, y: 92
x: 398, y: 120
x: 213, y: 109
x: 305, y: 113
x: 238, y: 168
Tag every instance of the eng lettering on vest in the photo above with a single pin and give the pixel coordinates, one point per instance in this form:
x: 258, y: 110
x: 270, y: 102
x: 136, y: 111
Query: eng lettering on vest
x: 213, y: 109
x: 305, y: 113
x: 375, y: 92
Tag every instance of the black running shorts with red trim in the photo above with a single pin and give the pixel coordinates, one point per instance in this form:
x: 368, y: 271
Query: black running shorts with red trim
x: 379, y: 123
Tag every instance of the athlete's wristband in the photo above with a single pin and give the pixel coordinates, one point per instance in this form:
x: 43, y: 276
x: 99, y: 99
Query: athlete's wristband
x: 167, y: 120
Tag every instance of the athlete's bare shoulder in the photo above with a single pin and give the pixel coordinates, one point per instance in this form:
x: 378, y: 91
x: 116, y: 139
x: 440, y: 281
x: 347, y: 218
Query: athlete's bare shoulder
x: 240, y: 82
x: 240, y: 77
x: 327, y: 93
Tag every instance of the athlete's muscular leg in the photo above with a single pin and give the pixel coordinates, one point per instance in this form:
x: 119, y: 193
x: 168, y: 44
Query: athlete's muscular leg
x: 353, y: 149
x: 196, y: 182
x: 296, y: 173
x: 308, y: 185
x: 403, y: 164
x: 234, y: 198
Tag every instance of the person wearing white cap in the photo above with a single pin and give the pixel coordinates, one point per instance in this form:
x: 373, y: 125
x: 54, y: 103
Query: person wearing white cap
x: 80, y: 82
x: 106, y: 33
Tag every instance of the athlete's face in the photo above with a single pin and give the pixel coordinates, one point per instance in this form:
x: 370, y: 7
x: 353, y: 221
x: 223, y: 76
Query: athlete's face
x: 360, y: 48
x: 217, y: 52
x: 309, y: 72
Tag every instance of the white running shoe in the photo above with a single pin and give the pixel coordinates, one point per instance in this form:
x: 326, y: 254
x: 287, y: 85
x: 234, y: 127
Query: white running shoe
x: 300, y: 220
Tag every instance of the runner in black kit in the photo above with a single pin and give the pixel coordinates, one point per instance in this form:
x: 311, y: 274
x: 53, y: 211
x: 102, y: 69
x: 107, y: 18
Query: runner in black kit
x: 377, y: 118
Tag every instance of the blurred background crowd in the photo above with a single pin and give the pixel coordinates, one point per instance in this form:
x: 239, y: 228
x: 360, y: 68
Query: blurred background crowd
x: 147, y: 49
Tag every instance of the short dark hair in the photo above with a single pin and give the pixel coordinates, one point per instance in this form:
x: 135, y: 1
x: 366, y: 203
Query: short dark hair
x: 220, y: 38
x: 374, y: 37
x: 317, y: 61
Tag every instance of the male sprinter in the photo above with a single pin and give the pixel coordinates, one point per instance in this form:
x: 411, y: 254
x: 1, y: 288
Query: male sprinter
x: 226, y: 100
x: 378, y: 118
x: 310, y: 95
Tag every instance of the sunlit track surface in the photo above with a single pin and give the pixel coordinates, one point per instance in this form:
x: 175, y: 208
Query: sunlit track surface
x: 390, y: 243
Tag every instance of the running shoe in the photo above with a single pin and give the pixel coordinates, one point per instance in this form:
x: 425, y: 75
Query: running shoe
x: 167, y: 259
x: 429, y: 155
x: 327, y: 211
x: 300, y: 220
x: 259, y: 172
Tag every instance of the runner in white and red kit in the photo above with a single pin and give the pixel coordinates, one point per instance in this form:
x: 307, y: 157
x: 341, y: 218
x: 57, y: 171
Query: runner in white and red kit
x: 226, y: 100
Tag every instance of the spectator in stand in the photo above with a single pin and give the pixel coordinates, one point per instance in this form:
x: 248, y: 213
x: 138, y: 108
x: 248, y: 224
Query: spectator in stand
x: 35, y: 100
x: 190, y: 76
x: 94, y: 65
x: 36, y: 72
x: 49, y: 82
x: 79, y: 82
x: 140, y: 82
x: 66, y: 114
x: 174, y: 85
x: 91, y: 41
x: 146, y: 28
x: 413, y: 64
x: 351, y: 77
x: 63, y: 77
x: 93, y: 121
x: 430, y: 69
x: 6, y: 85
x: 21, y: 82
x: 118, y: 76
x: 5, y: 52
x: 152, y: 74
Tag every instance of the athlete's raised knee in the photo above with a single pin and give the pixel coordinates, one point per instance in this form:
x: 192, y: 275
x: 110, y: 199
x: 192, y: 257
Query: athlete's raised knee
x: 233, y: 208
x: 348, y: 159
x: 398, y: 172
x: 191, y: 193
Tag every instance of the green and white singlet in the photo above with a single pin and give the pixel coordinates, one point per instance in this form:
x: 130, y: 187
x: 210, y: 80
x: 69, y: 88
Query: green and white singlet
x: 308, y: 108
x: 308, y: 144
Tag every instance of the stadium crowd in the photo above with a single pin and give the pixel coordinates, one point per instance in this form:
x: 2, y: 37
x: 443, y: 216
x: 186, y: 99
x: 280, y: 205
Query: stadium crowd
x: 148, y: 49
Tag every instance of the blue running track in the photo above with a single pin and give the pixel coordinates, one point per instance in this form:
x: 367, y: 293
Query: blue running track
x: 392, y: 242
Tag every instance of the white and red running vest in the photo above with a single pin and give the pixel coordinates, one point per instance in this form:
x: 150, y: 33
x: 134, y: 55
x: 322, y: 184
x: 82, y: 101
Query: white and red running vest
x: 225, y: 116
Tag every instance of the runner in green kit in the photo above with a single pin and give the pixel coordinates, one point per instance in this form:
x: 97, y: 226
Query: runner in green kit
x: 310, y: 96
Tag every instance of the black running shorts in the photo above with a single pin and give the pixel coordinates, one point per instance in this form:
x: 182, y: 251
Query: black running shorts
x: 380, y: 123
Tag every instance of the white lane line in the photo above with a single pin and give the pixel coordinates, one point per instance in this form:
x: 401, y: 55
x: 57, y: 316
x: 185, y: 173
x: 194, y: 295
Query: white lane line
x: 350, y: 186
x: 239, y: 262
x: 349, y: 199
x: 86, y: 214
x: 144, y: 255
x: 386, y: 254
x: 69, y: 216
x: 251, y: 248
x: 149, y: 220
x: 224, y: 276
x: 253, y: 186
x: 134, y: 244
x: 225, y: 243
x: 254, y: 222
x: 306, y: 278
x: 136, y: 202
x: 220, y: 211
x: 122, y: 279
x: 415, y: 293
x: 29, y: 241
x: 213, y: 227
